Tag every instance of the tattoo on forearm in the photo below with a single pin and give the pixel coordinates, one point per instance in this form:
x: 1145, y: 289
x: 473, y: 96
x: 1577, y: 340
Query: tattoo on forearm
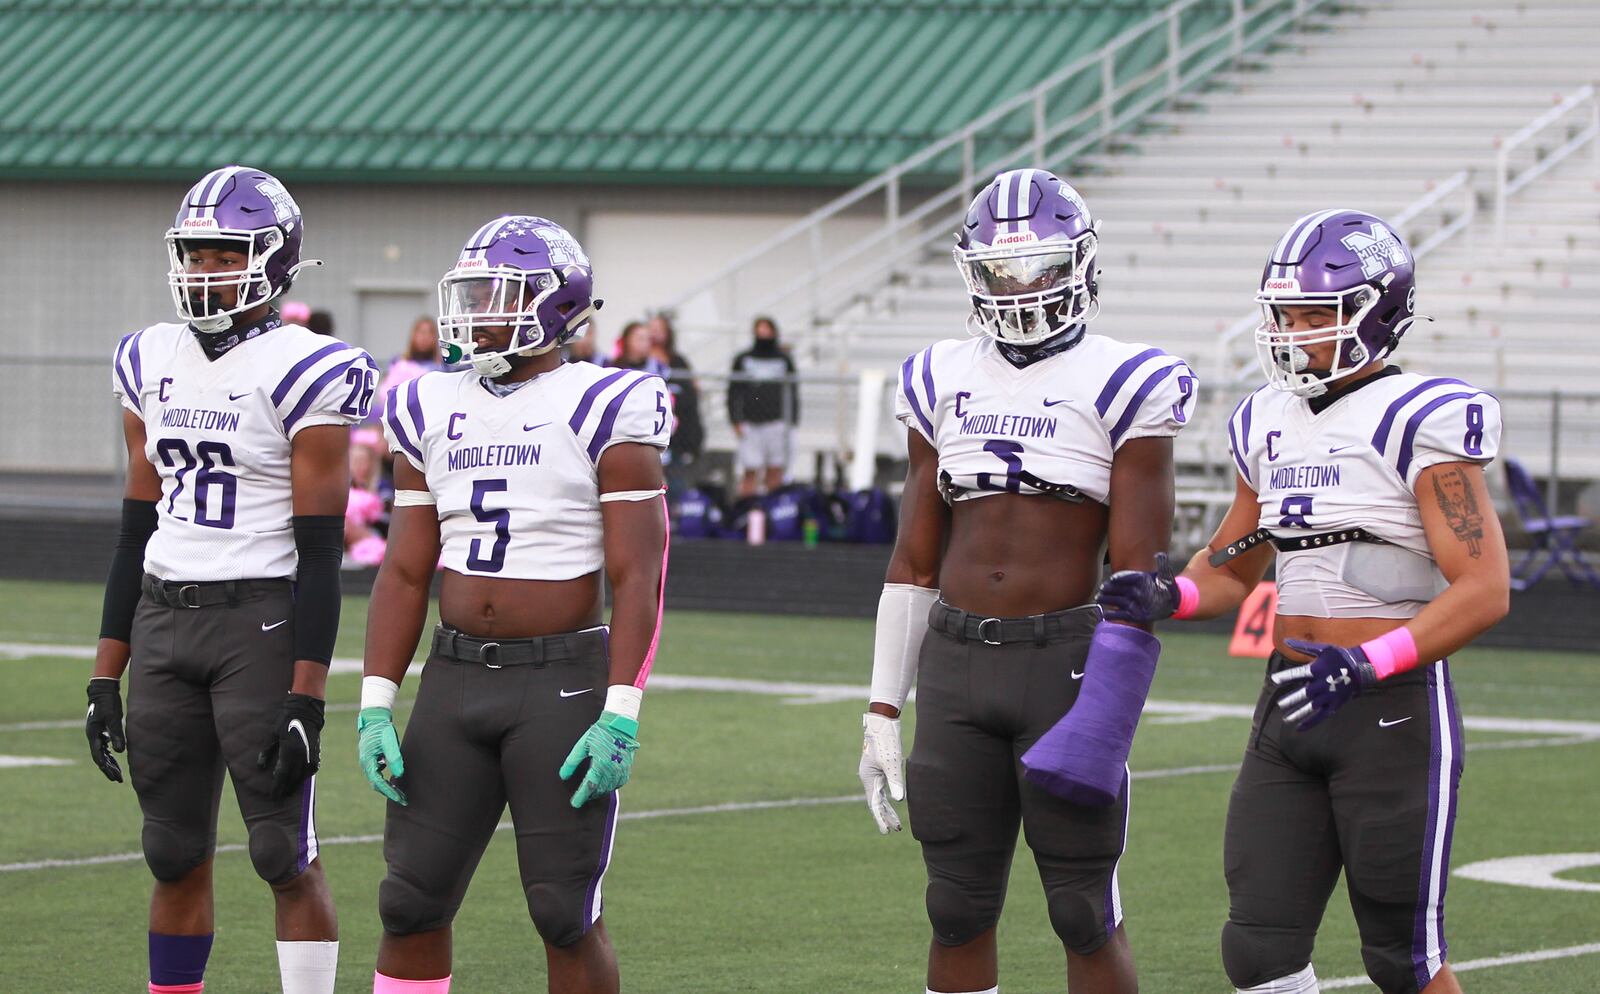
x: 1460, y: 507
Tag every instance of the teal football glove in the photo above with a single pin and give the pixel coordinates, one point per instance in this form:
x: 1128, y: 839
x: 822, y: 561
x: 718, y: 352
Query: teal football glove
x: 379, y: 747
x: 608, y: 745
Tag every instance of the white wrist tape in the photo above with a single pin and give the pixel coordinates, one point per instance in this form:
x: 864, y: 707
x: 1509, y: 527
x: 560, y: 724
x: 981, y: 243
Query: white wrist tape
x: 378, y: 692
x: 413, y: 498
x: 902, y: 623
x: 633, y: 495
x: 624, y: 700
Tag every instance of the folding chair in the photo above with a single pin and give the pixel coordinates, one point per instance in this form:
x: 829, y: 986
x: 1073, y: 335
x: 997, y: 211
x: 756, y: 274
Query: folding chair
x: 1553, y: 540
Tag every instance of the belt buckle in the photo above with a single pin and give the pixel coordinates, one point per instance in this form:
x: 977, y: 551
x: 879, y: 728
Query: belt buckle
x: 986, y: 639
x: 188, y: 592
x: 488, y: 651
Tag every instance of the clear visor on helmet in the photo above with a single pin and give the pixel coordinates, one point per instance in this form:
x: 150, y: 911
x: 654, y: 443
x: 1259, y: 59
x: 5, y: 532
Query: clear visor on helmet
x: 494, y: 299
x: 201, y: 297
x: 1307, y: 341
x: 1025, y: 293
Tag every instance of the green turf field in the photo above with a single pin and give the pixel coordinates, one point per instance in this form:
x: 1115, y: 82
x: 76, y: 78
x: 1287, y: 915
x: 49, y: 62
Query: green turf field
x: 747, y: 864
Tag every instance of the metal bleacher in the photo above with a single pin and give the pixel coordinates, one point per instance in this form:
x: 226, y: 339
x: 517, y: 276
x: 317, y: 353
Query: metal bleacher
x: 1372, y: 105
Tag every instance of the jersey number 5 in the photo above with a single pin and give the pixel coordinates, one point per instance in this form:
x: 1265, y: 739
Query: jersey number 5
x: 501, y: 519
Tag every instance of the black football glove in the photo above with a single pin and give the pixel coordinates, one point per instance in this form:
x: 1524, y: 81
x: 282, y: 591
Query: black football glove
x: 295, y: 752
x: 104, y: 725
x: 1140, y: 597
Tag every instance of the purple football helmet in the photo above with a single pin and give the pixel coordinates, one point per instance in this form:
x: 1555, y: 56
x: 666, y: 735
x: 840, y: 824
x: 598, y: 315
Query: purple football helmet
x: 526, y: 272
x: 240, y: 205
x: 1027, y: 254
x: 1352, y: 263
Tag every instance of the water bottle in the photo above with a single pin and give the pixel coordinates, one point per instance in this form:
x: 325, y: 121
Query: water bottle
x: 808, y: 533
x: 755, y: 529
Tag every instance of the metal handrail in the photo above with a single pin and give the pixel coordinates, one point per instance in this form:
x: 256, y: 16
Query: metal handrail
x: 1505, y: 186
x: 1461, y: 182
x: 1245, y: 26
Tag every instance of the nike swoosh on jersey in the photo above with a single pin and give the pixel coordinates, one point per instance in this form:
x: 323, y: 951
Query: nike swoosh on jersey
x: 1385, y: 722
x: 238, y: 396
x: 575, y: 693
x: 1056, y: 403
x: 1077, y: 674
x: 1341, y: 448
x: 267, y: 628
x: 535, y: 427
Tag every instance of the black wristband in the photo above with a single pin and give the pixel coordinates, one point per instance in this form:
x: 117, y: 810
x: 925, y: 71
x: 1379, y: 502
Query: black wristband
x: 127, y: 569
x: 319, y: 541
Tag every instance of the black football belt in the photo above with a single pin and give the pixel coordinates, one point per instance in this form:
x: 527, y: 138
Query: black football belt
x: 1299, y: 544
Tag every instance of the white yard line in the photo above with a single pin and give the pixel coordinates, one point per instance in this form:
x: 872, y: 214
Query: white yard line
x: 12, y: 762
x: 1466, y: 966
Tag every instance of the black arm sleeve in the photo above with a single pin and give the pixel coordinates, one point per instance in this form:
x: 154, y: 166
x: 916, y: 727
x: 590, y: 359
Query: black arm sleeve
x: 319, y: 540
x: 127, y: 569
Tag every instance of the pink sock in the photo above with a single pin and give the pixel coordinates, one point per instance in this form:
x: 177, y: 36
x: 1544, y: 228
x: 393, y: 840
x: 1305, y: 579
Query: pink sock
x: 390, y: 985
x: 178, y: 988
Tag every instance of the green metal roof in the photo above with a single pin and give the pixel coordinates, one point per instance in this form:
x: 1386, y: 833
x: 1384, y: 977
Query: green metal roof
x: 766, y: 91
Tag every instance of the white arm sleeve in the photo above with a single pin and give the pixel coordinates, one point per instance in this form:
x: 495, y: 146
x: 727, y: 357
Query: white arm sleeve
x: 902, y: 623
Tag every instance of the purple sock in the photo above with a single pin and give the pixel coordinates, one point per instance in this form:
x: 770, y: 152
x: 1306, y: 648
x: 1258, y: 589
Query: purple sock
x: 1081, y: 759
x: 177, y: 960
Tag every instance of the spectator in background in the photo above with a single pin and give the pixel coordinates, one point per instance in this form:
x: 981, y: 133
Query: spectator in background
x: 366, y: 512
x: 421, y: 356
x: 320, y: 322
x: 689, y: 435
x: 763, y: 403
x: 636, y: 351
x: 581, y: 349
x: 295, y: 312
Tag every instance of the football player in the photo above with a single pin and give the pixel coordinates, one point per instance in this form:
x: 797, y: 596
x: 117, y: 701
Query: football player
x: 1032, y: 446
x: 223, y: 597
x: 1366, y: 483
x: 532, y: 476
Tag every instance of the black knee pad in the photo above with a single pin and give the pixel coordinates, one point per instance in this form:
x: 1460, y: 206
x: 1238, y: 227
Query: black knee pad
x: 1391, y: 969
x: 1252, y: 954
x: 172, y: 855
x: 1079, y: 922
x: 558, y: 914
x: 957, y: 916
x: 405, y: 910
x: 275, y: 853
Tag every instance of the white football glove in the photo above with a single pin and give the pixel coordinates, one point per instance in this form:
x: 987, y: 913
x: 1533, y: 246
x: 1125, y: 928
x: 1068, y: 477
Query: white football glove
x: 881, y: 766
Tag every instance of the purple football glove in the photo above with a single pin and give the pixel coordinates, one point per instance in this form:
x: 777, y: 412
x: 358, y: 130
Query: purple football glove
x: 1141, y: 598
x: 1334, y: 675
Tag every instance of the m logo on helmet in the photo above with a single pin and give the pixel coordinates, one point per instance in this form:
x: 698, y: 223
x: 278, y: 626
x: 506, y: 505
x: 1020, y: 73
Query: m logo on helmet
x: 564, y: 249
x: 1378, y: 250
x: 283, y: 205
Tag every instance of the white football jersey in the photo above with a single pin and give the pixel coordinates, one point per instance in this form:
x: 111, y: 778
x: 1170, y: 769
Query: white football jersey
x: 515, y: 478
x: 1356, y: 465
x: 1059, y: 421
x: 219, y: 432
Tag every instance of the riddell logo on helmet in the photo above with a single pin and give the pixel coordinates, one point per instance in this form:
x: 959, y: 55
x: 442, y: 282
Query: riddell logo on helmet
x: 190, y: 223
x: 473, y: 264
x: 1281, y: 285
x: 1014, y: 238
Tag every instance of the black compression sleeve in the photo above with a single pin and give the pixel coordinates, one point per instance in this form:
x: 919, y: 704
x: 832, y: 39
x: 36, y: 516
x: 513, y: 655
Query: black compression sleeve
x: 319, y: 540
x: 127, y: 569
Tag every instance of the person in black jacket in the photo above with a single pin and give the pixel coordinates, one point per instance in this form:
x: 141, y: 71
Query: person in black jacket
x: 763, y: 403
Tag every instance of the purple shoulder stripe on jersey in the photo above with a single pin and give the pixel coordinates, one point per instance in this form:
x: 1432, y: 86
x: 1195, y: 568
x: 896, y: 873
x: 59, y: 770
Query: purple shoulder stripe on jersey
x: 122, y: 374
x: 414, y: 404
x: 1380, y: 438
x: 391, y: 413
x: 1249, y: 409
x: 608, y: 420
x: 298, y: 370
x: 590, y: 396
x: 1239, y: 435
x: 911, y: 395
x: 1102, y: 403
x: 313, y: 391
x: 607, y: 838
x: 1409, y: 438
x: 927, y: 380
x: 133, y: 359
x: 1132, y: 410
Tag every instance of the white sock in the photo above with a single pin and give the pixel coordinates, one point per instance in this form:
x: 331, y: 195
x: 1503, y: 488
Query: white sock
x: 308, y: 967
x: 1303, y: 982
x: 993, y: 990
